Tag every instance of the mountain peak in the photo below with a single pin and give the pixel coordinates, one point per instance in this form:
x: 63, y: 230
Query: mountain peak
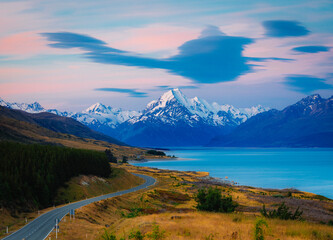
x: 174, y: 106
x: 313, y: 96
x: 310, y: 105
x: 97, y: 107
x: 309, y: 100
x: 173, y: 95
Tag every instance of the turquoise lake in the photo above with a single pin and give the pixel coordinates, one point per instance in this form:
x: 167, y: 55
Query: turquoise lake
x: 308, y: 170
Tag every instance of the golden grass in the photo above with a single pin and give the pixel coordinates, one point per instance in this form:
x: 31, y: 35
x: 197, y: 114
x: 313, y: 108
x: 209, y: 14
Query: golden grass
x: 173, y: 196
x: 82, y: 187
x: 200, y: 225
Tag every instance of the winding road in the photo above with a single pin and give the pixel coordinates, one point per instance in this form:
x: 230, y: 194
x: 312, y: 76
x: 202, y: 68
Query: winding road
x: 40, y: 228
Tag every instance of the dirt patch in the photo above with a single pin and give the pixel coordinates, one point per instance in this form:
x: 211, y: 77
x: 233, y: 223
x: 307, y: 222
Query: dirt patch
x: 170, y: 197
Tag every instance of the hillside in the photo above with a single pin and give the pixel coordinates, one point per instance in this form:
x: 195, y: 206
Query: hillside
x: 171, y: 205
x: 30, y: 174
x: 307, y: 123
x: 75, y: 189
x: 55, y: 123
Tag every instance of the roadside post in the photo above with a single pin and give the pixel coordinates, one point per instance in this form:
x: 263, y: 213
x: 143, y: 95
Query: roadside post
x: 57, y: 227
x: 72, y: 212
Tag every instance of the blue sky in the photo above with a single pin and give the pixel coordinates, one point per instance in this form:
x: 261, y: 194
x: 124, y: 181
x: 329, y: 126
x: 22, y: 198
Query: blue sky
x: 71, y: 54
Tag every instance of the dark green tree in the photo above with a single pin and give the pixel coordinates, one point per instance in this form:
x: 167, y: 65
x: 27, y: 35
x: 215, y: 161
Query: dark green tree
x: 31, y: 174
x: 125, y: 159
x: 156, y: 153
x: 282, y: 212
x: 110, y: 156
x: 212, y: 200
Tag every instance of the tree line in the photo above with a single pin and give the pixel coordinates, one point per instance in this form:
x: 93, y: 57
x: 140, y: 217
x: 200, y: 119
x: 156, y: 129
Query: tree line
x: 31, y: 174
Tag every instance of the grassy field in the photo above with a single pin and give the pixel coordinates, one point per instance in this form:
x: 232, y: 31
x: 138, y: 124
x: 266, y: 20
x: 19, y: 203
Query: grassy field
x: 170, y: 204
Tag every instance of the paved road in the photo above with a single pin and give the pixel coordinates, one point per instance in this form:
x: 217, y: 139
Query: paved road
x: 40, y: 228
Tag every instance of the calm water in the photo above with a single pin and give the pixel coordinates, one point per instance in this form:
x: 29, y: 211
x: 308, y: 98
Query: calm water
x: 305, y: 169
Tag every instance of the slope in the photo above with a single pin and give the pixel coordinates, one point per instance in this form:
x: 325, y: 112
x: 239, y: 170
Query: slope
x: 308, y: 123
x: 54, y: 123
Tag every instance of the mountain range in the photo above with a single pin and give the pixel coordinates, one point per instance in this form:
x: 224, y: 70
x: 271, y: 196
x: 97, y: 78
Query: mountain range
x: 175, y: 120
x: 307, y: 123
x: 171, y: 120
x: 23, y: 126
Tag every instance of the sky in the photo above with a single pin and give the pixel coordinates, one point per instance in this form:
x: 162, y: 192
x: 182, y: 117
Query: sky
x: 71, y: 54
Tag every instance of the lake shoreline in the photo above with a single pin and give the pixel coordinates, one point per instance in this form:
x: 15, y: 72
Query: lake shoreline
x: 260, y: 168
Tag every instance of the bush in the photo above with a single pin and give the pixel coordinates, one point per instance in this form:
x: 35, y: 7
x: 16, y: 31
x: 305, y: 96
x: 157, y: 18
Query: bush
x: 258, y: 229
x: 282, y: 213
x: 211, y: 200
x: 133, y: 213
x: 108, y: 236
x: 156, y: 234
x: 136, y: 235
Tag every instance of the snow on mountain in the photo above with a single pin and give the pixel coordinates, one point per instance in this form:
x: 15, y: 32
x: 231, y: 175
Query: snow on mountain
x: 173, y: 109
x: 31, y: 108
x: 174, y: 106
x: 104, y: 115
x: 97, y: 114
x: 307, y: 123
x: 57, y: 112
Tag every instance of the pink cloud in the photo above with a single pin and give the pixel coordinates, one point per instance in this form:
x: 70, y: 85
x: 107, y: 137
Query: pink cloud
x: 29, y: 43
x: 24, y: 43
x: 151, y: 38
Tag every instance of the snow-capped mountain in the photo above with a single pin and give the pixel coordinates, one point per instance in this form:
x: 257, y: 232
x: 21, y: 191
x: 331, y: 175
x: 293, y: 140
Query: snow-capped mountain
x: 307, y: 123
x: 171, y: 120
x: 31, y: 108
x: 105, y: 114
x: 96, y: 115
x: 175, y: 120
x: 174, y: 106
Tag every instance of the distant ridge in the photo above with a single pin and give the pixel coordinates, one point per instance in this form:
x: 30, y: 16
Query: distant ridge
x: 175, y: 120
x: 307, y: 123
x: 12, y: 128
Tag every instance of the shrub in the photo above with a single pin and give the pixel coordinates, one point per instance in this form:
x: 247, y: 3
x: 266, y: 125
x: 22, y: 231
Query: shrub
x: 211, y: 200
x: 108, y: 236
x: 282, y: 213
x: 133, y: 213
x: 258, y: 229
x: 136, y: 234
x: 156, y: 234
